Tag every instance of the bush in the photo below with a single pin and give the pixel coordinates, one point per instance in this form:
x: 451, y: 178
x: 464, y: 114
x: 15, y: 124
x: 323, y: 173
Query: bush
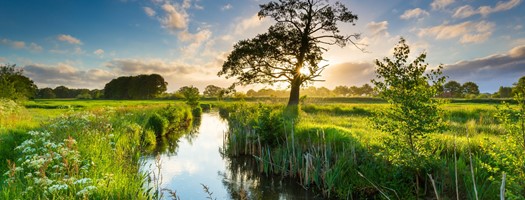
x: 158, y: 124
x: 196, y: 111
x: 205, y: 107
x: 148, y: 138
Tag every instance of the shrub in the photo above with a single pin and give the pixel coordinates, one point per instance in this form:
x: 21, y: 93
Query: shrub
x: 158, y: 124
x: 205, y: 107
x: 196, y: 111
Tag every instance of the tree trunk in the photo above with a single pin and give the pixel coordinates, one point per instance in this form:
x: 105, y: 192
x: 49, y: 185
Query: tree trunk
x: 294, y: 92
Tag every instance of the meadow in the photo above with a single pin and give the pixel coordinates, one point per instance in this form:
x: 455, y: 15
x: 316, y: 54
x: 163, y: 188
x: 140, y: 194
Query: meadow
x: 91, y: 149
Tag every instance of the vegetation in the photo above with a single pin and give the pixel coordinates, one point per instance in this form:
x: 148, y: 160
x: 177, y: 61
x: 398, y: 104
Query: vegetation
x: 291, y: 49
x: 90, y: 153
x: 135, y: 87
x: 413, y: 113
x: 14, y: 85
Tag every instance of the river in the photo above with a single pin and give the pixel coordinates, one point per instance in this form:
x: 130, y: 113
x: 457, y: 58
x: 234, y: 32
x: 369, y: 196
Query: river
x: 194, y: 161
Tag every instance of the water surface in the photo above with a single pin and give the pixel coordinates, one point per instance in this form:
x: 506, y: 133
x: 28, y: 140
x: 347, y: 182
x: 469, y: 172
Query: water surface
x: 194, y: 160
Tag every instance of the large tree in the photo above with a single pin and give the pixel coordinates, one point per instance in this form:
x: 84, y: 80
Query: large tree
x: 293, y: 47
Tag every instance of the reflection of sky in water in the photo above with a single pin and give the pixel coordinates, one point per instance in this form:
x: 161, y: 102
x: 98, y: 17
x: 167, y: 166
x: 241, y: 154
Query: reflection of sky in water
x: 199, y: 162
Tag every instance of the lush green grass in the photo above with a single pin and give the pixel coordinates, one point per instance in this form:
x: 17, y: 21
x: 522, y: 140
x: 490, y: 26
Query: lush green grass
x: 331, y: 146
x: 71, y: 149
x: 334, y: 147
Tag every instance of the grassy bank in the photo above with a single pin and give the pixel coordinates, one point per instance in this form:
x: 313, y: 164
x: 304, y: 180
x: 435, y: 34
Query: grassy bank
x: 90, y: 151
x: 334, y: 148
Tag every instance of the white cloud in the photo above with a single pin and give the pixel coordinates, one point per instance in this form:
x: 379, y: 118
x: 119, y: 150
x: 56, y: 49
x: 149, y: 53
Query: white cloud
x: 176, y: 18
x: 149, y: 11
x: 69, y: 39
x: 492, y: 71
x: 99, y: 52
x: 440, y: 4
x: 68, y: 75
x: 13, y: 43
x: 467, y: 10
x: 248, y: 24
x: 226, y: 7
x: 186, y: 4
x: 376, y: 29
x: 198, y: 7
x: 21, y: 45
x: 414, y: 13
x: 35, y: 47
x: 468, y: 32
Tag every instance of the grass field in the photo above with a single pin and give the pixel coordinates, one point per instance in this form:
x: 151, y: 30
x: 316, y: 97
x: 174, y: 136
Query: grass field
x: 332, y: 146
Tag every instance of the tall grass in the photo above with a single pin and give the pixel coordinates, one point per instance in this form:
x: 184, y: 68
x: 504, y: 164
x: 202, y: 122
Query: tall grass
x: 333, y: 148
x: 86, y: 154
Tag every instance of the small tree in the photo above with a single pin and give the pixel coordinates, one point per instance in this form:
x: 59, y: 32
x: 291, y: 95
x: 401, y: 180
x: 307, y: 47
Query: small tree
x: 470, y: 88
x: 413, y: 111
x: 191, y: 95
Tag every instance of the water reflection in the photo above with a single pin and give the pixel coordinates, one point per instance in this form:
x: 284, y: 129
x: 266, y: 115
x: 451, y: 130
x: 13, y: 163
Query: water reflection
x: 189, y: 160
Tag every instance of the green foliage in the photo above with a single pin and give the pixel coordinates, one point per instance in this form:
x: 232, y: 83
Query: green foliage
x: 135, y: 87
x: 158, y: 124
x: 191, y: 95
x: 14, y: 85
x: 452, y: 89
x: 470, y: 88
x: 196, y: 111
x: 413, y: 112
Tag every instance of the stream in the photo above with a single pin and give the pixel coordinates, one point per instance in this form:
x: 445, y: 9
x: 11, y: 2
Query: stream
x: 193, y: 163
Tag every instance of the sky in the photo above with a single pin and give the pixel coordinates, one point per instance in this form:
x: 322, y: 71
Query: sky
x: 85, y: 44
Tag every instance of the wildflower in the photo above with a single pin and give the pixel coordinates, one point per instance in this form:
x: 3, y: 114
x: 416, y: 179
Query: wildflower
x: 82, y: 181
x: 57, y: 187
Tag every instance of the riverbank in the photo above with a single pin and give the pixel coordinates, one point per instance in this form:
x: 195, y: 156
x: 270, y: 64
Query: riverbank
x: 336, y: 149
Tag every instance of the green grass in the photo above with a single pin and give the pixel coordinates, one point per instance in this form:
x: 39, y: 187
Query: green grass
x: 332, y: 144
x: 109, y: 138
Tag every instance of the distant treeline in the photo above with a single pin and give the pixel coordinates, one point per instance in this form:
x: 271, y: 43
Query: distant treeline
x: 14, y: 85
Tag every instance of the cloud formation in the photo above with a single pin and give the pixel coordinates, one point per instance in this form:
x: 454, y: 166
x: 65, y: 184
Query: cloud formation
x: 69, y: 39
x: 467, y: 10
x: 226, y: 7
x: 414, y: 13
x: 21, y: 45
x: 490, y: 72
x: 349, y: 73
x: 99, y: 52
x: 67, y: 75
x: 149, y: 11
x: 176, y: 18
x: 468, y: 32
x: 440, y: 4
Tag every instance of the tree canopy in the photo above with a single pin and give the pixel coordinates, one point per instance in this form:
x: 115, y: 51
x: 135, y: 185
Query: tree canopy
x: 14, y: 85
x: 135, y: 87
x: 292, y: 48
x: 191, y: 95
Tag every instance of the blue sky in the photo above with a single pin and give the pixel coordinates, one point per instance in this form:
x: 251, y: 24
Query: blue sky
x: 85, y: 44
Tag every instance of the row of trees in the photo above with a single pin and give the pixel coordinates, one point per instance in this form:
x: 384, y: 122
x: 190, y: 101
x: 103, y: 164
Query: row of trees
x: 65, y: 92
x: 135, y: 87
